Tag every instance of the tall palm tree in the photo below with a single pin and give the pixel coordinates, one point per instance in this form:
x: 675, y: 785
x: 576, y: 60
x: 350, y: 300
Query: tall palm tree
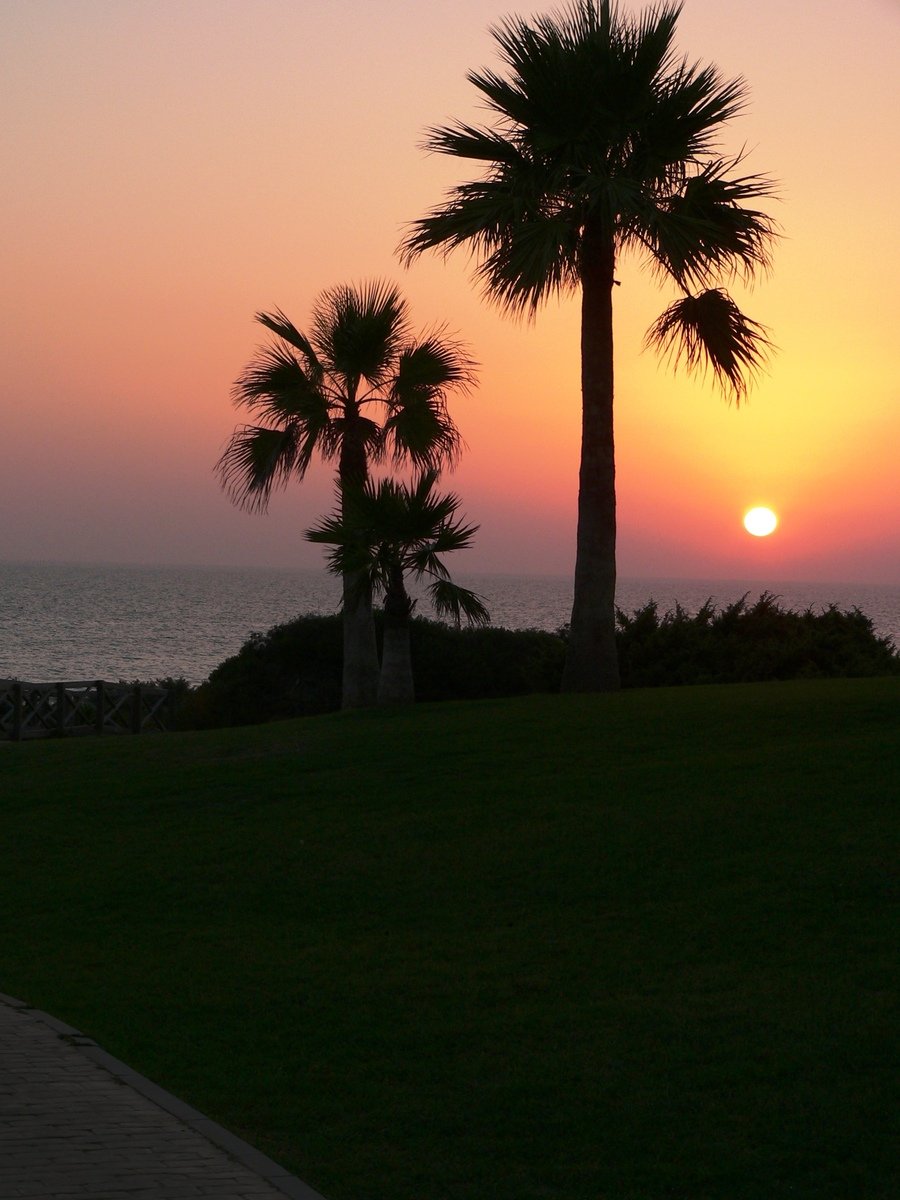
x: 605, y: 142
x: 358, y: 388
x: 383, y: 533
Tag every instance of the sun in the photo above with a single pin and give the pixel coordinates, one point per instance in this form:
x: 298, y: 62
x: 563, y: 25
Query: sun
x: 760, y: 521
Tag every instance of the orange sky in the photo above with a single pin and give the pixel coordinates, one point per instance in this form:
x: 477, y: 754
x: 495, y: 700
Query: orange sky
x: 167, y: 170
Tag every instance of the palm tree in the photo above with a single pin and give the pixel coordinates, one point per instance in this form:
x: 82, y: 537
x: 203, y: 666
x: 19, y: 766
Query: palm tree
x: 358, y: 388
x: 605, y: 142
x: 383, y: 533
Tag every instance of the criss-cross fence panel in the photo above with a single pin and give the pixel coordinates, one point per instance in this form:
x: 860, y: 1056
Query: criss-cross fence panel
x: 29, y: 710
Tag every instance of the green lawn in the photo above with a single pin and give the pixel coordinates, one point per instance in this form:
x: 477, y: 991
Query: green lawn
x: 611, y: 948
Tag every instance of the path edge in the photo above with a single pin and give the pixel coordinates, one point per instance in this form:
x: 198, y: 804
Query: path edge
x: 247, y: 1155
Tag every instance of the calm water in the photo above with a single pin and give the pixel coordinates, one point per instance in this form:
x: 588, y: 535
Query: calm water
x: 65, y: 622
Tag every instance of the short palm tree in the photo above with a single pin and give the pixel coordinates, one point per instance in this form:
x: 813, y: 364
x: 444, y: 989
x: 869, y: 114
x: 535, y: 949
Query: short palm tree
x: 357, y: 388
x: 605, y: 142
x: 385, y: 532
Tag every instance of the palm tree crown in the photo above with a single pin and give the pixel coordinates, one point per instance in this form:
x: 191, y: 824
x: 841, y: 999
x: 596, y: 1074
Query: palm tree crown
x: 383, y: 533
x: 604, y: 137
x: 391, y: 529
x: 605, y: 142
x: 358, y: 387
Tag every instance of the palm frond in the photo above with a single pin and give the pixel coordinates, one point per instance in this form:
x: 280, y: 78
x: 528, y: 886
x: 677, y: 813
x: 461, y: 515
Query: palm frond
x: 451, y: 600
x: 357, y: 330
x: 420, y: 430
x: 331, y: 531
x: 433, y: 365
x: 445, y: 538
x: 480, y: 212
x: 479, y: 145
x: 276, y: 385
x: 281, y: 325
x: 420, y: 497
x: 418, y: 425
x: 710, y: 331
x: 412, y: 515
x: 706, y: 227
x: 646, y: 42
x: 424, y: 562
x: 690, y: 106
x: 347, y: 532
x: 527, y: 242
x: 259, y: 460
x: 535, y: 260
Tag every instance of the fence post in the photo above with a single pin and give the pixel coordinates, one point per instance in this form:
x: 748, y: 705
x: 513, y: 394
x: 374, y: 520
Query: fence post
x: 136, y: 709
x: 101, y: 701
x: 61, y: 709
x: 17, y: 712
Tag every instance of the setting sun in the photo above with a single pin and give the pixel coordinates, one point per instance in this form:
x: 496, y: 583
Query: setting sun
x: 760, y: 521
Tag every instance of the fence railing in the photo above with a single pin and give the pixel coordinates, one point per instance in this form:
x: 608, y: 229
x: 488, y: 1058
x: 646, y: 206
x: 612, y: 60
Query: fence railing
x: 29, y: 710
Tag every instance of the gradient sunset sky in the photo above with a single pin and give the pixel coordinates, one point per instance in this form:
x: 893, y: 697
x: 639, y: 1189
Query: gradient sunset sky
x: 170, y: 168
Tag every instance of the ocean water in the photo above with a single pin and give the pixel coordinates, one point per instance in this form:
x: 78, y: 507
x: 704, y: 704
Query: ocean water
x: 73, y: 622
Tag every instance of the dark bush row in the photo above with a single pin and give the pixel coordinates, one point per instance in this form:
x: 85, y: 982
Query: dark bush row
x: 295, y: 669
x: 744, y: 643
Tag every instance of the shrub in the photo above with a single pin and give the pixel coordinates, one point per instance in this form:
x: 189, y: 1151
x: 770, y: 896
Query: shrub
x: 745, y: 643
x: 292, y: 670
x: 468, y: 664
x: 295, y: 669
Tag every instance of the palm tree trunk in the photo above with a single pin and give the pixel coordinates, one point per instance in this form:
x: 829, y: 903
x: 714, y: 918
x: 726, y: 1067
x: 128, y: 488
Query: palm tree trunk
x: 360, y: 665
x: 360, y: 669
x: 395, y: 685
x: 591, y: 659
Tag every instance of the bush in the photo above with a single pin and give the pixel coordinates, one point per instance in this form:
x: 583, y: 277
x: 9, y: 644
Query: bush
x: 744, y: 643
x: 470, y: 664
x: 292, y: 670
x: 295, y: 669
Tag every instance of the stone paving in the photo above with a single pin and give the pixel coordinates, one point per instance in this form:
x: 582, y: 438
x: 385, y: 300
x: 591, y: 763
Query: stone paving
x: 76, y: 1123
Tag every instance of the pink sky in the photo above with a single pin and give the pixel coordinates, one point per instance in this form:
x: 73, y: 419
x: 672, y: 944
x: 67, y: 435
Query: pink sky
x: 167, y: 170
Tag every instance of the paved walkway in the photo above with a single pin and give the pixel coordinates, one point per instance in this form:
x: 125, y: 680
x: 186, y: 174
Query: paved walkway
x: 77, y: 1123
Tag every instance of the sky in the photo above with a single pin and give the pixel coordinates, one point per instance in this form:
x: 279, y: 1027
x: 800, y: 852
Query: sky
x: 167, y: 170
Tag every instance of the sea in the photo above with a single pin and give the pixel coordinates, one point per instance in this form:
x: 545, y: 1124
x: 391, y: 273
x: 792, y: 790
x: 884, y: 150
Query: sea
x: 69, y: 622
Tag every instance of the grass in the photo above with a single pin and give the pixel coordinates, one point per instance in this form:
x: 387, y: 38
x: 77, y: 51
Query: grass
x: 606, y: 948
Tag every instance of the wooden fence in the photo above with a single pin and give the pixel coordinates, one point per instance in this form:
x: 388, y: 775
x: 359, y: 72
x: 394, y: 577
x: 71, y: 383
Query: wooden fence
x: 29, y: 710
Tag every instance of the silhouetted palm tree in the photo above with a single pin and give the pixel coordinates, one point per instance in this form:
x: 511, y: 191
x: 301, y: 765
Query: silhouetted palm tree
x: 357, y: 388
x: 605, y: 142
x: 385, y: 532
